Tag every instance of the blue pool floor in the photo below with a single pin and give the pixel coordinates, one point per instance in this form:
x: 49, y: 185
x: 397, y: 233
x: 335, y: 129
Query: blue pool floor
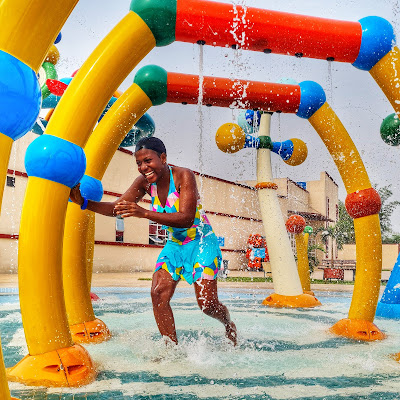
x: 281, y: 354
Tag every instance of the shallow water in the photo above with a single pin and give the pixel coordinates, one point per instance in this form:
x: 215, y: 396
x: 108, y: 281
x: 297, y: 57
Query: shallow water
x: 282, y: 354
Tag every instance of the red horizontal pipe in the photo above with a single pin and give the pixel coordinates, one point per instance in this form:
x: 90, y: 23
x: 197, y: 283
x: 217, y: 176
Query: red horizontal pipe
x: 223, y: 92
x: 221, y: 24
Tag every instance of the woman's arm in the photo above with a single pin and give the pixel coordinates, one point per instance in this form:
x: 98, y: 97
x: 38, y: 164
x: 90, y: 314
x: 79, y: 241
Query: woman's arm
x: 135, y: 193
x: 187, y: 205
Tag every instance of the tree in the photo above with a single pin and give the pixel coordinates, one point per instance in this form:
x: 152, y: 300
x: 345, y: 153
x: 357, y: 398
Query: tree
x: 345, y: 225
x: 387, y: 209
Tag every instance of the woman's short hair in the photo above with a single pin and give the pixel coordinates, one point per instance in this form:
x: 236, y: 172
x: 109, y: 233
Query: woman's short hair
x: 151, y: 143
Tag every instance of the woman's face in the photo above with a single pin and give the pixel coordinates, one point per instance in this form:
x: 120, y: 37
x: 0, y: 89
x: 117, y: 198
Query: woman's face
x: 150, y: 164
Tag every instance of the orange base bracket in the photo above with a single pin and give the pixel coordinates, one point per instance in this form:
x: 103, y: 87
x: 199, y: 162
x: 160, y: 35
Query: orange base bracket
x: 300, y: 301
x: 396, y: 357
x: 71, y: 366
x: 357, y: 329
x: 95, y: 331
x: 310, y: 292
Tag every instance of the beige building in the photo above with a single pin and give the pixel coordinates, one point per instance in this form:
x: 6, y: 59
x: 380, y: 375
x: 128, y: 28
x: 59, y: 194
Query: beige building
x: 134, y: 244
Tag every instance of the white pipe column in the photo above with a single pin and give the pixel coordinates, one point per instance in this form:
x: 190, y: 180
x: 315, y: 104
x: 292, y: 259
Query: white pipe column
x: 287, y: 284
x: 283, y: 265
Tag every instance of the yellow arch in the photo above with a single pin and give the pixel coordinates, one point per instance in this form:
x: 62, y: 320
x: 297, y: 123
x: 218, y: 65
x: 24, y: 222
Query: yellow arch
x: 367, y: 229
x: 73, y: 120
x: 102, y: 145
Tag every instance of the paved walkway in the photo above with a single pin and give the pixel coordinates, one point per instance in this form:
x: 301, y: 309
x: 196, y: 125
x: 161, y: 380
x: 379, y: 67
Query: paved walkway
x: 141, y: 279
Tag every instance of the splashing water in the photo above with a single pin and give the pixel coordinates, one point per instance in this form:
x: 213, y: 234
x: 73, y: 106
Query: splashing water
x: 281, y: 354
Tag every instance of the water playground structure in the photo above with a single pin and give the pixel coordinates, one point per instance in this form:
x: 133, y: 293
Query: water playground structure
x: 68, y: 149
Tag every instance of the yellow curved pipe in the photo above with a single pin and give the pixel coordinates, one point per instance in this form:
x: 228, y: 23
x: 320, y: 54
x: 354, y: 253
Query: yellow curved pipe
x: 79, y: 226
x: 98, y: 78
x: 4, y: 390
x: 369, y: 266
x: 73, y: 120
x: 302, y: 262
x: 39, y: 259
x: 367, y: 229
x: 112, y: 129
x: 5, y: 151
x: 90, y: 249
x: 29, y: 27
x: 76, y: 294
x: 386, y: 74
x: 341, y: 147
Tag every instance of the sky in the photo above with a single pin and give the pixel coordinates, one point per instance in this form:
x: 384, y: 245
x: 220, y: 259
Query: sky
x: 189, y: 131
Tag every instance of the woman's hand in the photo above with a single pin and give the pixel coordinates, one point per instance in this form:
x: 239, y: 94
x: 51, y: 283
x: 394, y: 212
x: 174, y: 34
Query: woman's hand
x: 75, y: 195
x: 129, y: 209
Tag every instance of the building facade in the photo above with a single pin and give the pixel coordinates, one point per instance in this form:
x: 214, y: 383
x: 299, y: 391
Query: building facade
x: 134, y: 244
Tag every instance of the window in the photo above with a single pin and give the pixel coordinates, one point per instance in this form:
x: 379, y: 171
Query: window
x: 157, y: 235
x: 327, y: 210
x: 119, y: 229
x: 337, y: 212
x: 11, y: 181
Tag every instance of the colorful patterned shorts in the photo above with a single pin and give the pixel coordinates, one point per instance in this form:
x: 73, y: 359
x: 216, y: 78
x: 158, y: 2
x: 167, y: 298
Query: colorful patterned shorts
x: 198, y: 259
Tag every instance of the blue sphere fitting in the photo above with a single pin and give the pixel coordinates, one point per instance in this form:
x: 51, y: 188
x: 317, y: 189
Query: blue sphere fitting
x: 251, y: 119
x: 58, y: 38
x: 284, y: 149
x: 312, y: 97
x: 91, y: 188
x: 49, y: 157
x: 20, y: 97
x: 251, y: 142
x: 377, y: 40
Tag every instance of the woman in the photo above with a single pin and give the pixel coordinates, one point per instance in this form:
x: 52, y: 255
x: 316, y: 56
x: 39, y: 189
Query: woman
x: 191, y: 253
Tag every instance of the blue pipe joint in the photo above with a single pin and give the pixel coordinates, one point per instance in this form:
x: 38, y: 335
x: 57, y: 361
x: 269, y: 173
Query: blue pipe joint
x: 91, y: 188
x: 283, y: 149
x: 58, y: 38
x: 55, y: 159
x: 20, y: 96
x: 251, y: 142
x: 312, y: 97
x: 377, y: 40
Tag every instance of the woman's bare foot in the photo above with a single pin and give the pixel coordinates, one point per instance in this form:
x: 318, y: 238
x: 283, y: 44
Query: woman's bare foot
x: 231, y: 333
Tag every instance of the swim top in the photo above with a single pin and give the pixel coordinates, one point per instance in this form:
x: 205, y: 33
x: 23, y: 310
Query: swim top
x: 201, y: 226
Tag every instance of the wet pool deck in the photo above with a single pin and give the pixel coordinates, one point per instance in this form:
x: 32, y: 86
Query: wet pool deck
x: 135, y: 279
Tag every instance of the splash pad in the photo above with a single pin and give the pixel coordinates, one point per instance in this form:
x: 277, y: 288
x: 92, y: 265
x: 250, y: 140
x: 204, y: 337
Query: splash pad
x: 282, y: 353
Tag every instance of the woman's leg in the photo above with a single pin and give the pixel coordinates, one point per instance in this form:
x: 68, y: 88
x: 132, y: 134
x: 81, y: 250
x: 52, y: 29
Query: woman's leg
x: 162, y: 290
x: 207, y: 299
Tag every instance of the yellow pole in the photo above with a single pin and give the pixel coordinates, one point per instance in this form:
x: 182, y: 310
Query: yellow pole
x: 29, y: 27
x: 367, y: 229
x: 40, y: 284
x: 5, y: 151
x: 386, y: 74
x: 79, y: 226
x: 90, y: 249
x: 302, y: 262
x: 72, y: 121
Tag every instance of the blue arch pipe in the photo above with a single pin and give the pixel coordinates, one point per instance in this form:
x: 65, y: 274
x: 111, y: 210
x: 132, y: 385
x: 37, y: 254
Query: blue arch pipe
x: 389, y: 304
